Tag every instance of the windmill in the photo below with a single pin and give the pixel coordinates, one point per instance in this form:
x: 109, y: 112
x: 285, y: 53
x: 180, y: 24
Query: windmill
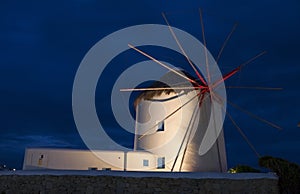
x: 196, y: 95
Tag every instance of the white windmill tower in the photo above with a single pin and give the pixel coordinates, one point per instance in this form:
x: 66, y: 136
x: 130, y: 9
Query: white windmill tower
x: 171, y: 124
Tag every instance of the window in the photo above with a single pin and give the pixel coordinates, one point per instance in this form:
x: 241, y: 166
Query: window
x: 145, y: 162
x: 40, y: 162
x: 161, y: 162
x: 160, y: 126
x: 107, y: 169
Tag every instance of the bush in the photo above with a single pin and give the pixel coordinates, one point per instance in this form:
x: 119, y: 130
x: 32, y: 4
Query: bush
x: 242, y: 168
x: 288, y: 173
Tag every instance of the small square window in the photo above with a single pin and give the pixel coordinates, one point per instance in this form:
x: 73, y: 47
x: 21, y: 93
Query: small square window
x: 161, y: 162
x: 145, y: 162
x: 160, y: 126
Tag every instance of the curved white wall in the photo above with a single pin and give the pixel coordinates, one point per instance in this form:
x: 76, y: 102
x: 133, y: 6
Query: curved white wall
x: 172, y: 142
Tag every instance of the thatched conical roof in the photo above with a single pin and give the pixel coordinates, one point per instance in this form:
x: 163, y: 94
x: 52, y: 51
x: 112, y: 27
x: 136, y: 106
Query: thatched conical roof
x: 170, y: 81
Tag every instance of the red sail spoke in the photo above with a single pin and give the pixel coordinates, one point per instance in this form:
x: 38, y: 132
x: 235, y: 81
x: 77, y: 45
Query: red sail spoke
x: 228, y: 75
x: 182, y: 50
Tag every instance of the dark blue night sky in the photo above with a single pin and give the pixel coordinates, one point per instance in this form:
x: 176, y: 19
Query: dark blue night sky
x: 43, y: 42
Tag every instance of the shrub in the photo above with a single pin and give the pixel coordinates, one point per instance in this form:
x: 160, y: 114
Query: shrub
x: 242, y: 168
x: 288, y: 173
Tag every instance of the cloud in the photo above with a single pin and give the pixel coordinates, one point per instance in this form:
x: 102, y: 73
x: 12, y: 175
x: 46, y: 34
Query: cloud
x: 10, y: 141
